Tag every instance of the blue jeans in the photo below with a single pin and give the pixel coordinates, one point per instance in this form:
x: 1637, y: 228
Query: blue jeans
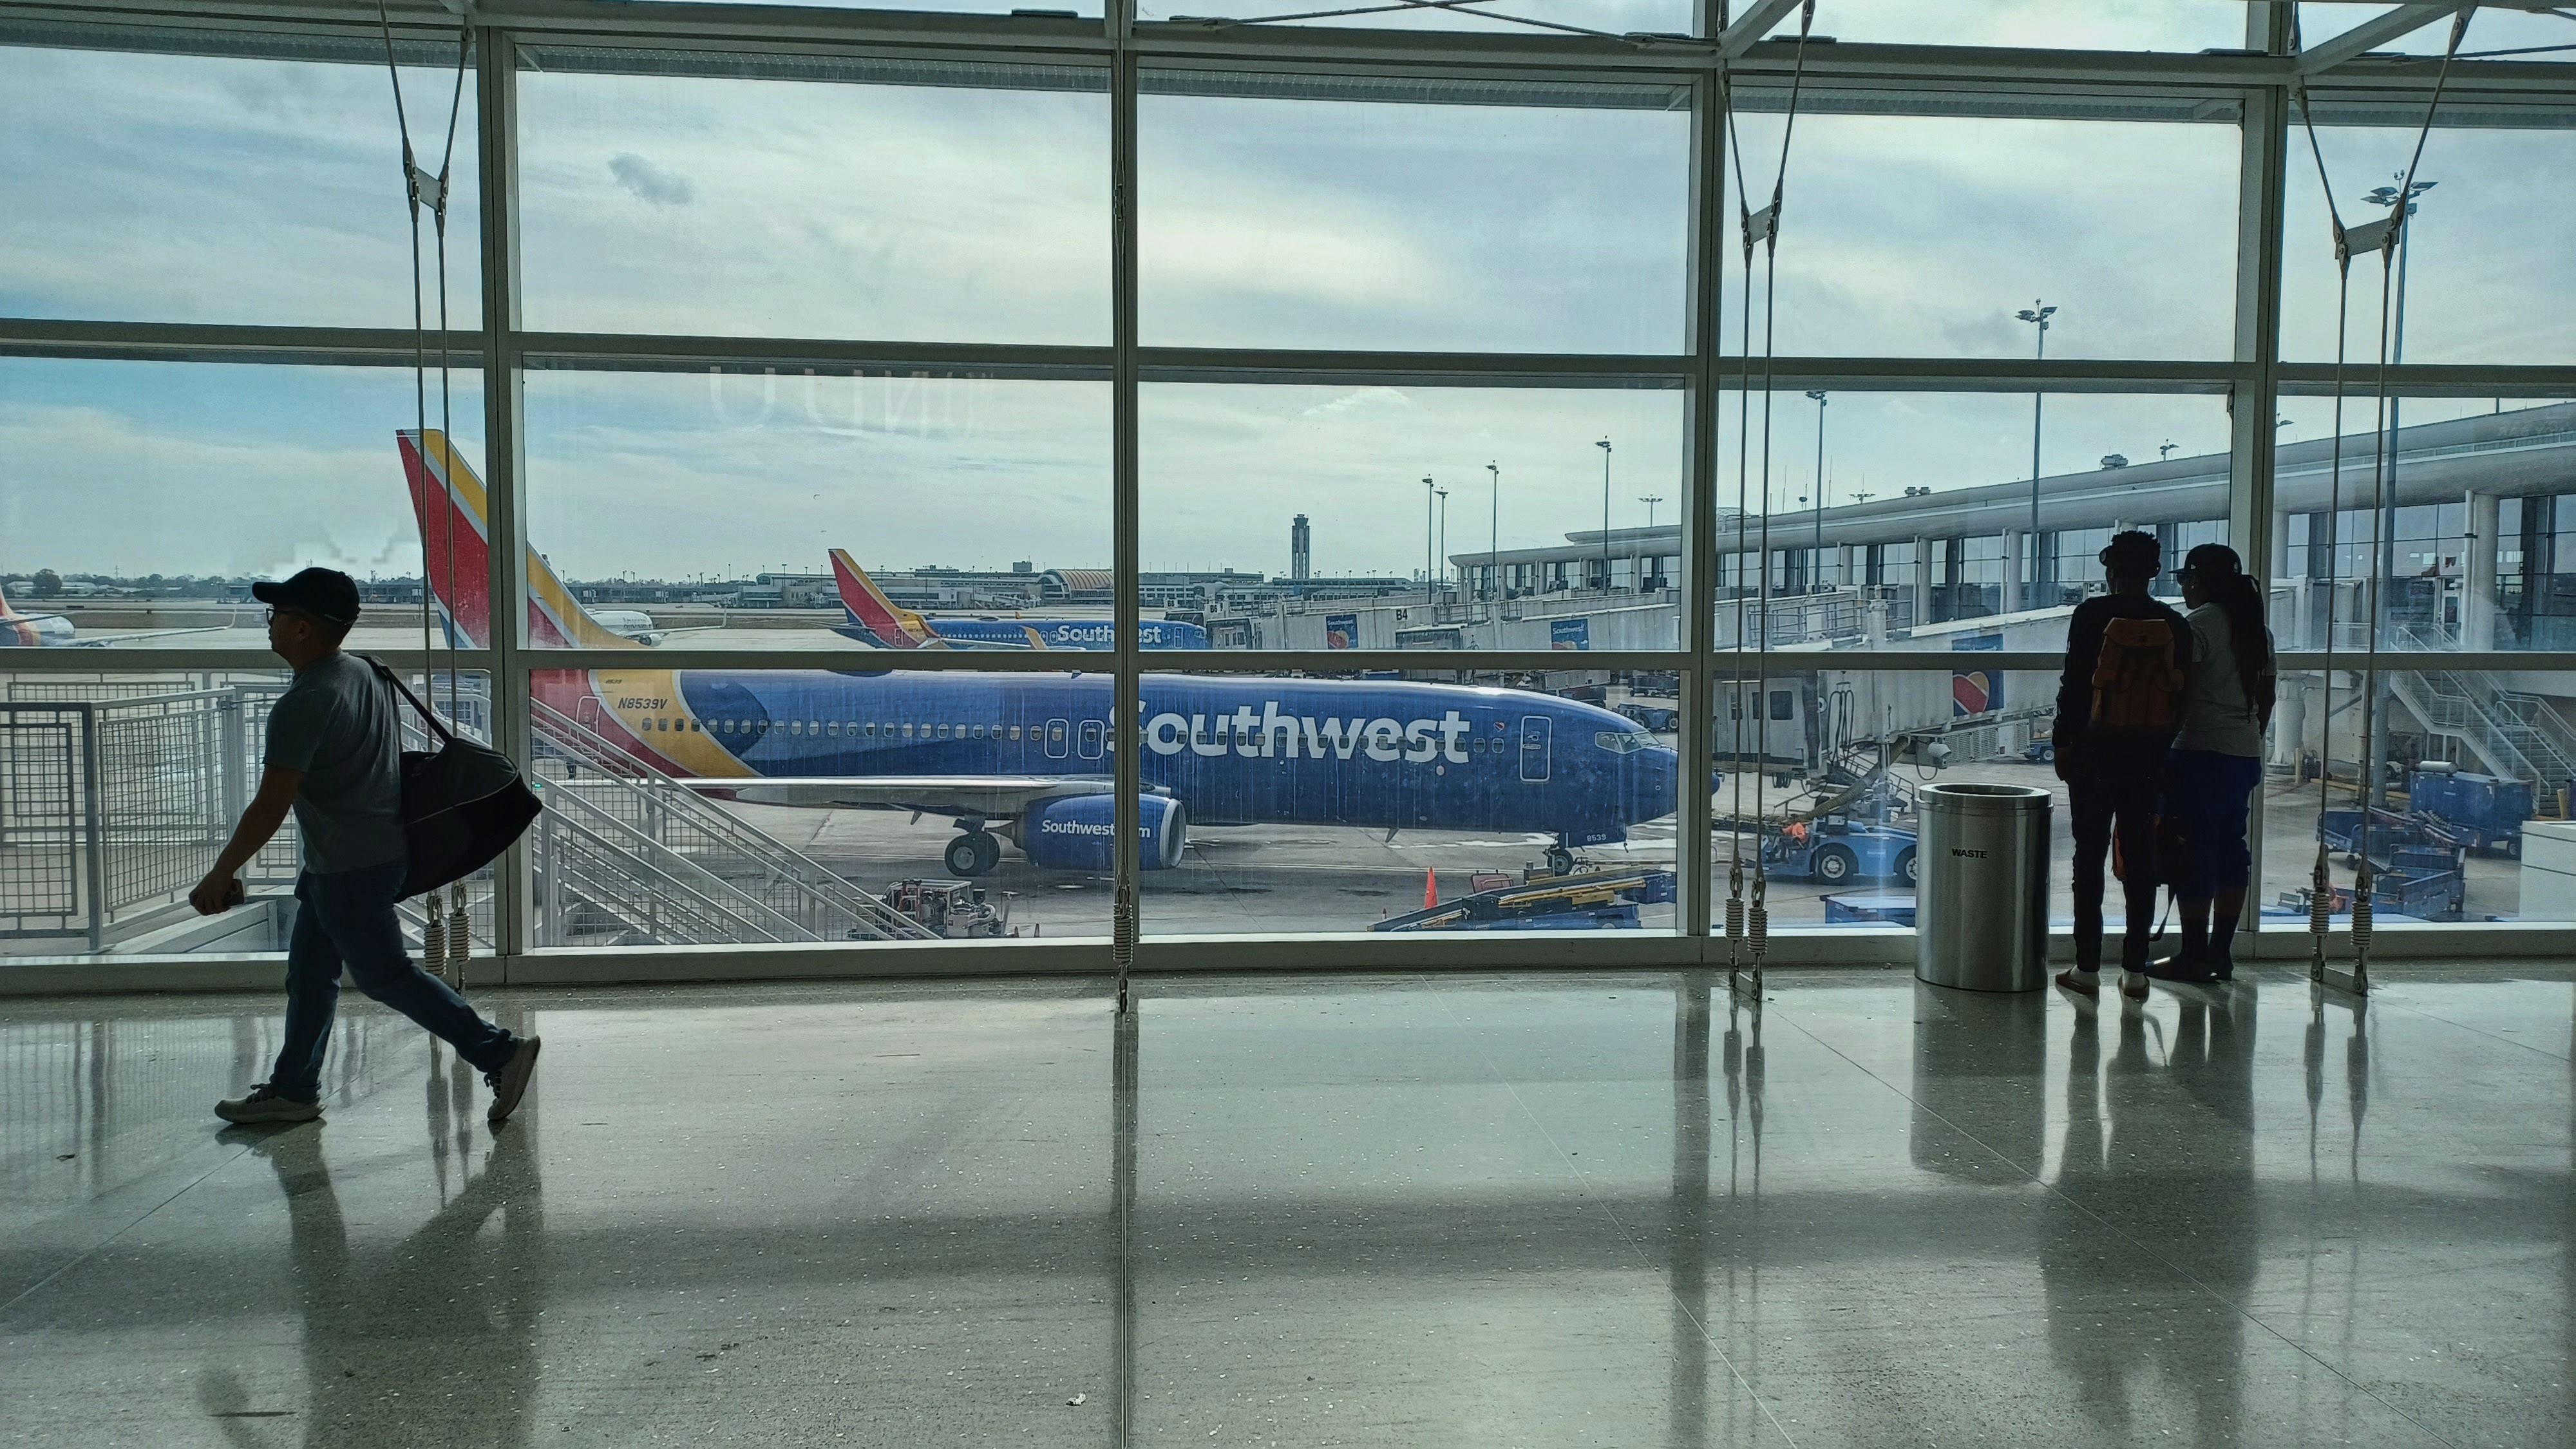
x: 2211, y: 795
x: 347, y: 919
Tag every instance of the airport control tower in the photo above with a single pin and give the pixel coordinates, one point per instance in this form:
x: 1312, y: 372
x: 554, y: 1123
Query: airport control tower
x: 1301, y: 550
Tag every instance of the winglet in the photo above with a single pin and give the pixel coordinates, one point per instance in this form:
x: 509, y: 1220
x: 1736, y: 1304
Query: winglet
x: 871, y: 610
x: 449, y: 502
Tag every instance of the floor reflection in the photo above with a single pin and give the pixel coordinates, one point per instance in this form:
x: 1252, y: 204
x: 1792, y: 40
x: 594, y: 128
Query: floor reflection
x: 2157, y: 1152
x: 451, y: 1309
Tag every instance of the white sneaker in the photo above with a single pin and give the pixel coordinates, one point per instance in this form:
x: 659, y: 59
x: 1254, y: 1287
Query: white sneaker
x: 263, y: 1104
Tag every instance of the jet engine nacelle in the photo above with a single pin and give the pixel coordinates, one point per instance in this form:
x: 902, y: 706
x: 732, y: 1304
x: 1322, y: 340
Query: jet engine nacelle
x: 1081, y: 833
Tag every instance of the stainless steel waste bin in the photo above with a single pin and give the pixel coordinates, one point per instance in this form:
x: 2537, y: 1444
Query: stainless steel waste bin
x: 1981, y: 904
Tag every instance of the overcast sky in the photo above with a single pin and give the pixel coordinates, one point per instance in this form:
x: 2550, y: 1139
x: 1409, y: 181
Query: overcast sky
x: 170, y: 189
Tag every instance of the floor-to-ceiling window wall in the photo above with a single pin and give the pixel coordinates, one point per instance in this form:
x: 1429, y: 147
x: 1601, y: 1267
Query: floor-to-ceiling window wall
x: 1362, y: 463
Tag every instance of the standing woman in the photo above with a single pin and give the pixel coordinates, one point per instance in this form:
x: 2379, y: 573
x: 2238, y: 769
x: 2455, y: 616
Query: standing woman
x: 2217, y: 759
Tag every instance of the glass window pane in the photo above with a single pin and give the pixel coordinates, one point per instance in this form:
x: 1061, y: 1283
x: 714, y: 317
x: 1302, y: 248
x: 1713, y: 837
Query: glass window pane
x: 2476, y: 770
x: 857, y: 842
x: 1297, y: 517
x: 2487, y: 276
x: 1512, y: 17
x: 1927, y: 235
x: 2181, y: 25
x: 1348, y: 802
x: 967, y: 205
x: 2495, y: 32
x: 2476, y: 540
x: 668, y: 502
x: 1386, y: 225
x: 1908, y: 530
x: 163, y: 761
x: 140, y: 499
x: 212, y: 189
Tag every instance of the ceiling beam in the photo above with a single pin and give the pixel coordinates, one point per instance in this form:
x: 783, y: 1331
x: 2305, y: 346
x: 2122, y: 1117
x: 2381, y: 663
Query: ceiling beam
x: 2373, y: 33
x: 1756, y: 22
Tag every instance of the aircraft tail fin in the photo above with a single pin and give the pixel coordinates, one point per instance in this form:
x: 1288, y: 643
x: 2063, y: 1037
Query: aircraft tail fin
x: 449, y: 502
x: 870, y: 609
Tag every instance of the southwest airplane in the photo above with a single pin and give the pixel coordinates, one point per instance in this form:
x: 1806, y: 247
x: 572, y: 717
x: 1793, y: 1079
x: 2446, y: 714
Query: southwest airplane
x: 1027, y: 757
x: 876, y: 619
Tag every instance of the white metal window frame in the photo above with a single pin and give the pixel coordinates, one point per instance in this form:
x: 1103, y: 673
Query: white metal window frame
x: 2251, y: 89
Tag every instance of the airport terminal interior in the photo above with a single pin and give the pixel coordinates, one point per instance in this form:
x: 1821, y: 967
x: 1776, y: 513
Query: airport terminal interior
x: 1072, y: 897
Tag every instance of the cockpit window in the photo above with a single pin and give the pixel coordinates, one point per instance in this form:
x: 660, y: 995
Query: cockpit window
x: 1624, y: 742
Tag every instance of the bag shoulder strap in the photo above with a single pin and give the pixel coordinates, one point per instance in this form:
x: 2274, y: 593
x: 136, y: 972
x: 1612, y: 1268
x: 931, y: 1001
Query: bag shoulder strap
x: 436, y: 726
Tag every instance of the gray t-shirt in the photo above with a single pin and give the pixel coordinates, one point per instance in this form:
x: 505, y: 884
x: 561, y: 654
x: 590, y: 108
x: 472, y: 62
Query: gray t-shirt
x: 2216, y: 714
x: 336, y: 723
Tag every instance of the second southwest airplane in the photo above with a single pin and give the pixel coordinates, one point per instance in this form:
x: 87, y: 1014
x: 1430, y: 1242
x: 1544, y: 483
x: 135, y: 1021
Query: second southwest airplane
x: 1027, y: 757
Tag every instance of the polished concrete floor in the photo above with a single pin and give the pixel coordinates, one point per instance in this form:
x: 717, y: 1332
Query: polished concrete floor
x: 1392, y: 1210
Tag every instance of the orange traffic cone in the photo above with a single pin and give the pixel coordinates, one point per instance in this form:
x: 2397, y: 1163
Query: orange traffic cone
x: 1431, y: 887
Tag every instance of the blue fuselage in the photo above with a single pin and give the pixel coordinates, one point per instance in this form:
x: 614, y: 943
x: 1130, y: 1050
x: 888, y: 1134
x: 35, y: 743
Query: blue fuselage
x: 1050, y: 633
x: 1234, y: 751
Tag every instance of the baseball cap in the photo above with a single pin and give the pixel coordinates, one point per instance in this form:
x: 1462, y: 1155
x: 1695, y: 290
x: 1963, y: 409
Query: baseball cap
x: 323, y: 593
x: 2214, y: 560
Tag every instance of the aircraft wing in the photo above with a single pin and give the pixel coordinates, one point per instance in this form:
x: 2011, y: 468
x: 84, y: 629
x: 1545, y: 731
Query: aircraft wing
x: 991, y: 797
x: 108, y: 641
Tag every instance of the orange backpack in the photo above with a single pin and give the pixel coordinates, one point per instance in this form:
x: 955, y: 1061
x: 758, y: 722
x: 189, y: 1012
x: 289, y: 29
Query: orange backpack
x: 2137, y: 679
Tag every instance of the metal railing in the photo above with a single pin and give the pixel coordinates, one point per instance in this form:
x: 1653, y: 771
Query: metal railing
x: 753, y: 886
x: 2514, y: 735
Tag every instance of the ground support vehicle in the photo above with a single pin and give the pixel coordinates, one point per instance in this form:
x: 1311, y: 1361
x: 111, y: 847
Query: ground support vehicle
x: 1597, y: 900
x: 2482, y: 812
x: 954, y: 909
x: 1837, y: 850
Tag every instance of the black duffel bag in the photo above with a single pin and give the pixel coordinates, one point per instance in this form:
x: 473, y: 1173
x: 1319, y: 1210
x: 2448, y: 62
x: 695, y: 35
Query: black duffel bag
x: 462, y: 803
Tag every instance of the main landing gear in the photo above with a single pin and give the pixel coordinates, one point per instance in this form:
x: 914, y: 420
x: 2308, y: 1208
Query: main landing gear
x: 974, y: 852
x: 1560, y: 858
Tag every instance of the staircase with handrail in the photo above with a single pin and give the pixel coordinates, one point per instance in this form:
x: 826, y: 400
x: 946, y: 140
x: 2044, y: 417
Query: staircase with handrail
x: 628, y: 853
x: 2513, y: 734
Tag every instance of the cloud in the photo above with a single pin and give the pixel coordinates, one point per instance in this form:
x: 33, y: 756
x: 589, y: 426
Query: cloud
x: 649, y: 182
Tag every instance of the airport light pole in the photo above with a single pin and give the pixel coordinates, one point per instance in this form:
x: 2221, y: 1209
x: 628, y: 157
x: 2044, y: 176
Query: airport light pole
x: 2037, y: 314
x: 1635, y: 562
x: 1428, y: 489
x: 1494, y: 537
x: 1818, y: 575
x: 1444, y: 536
x: 1604, y: 446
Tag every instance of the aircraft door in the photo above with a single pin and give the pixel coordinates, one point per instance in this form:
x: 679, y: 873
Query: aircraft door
x: 1534, y: 747
x: 1094, y: 735
x: 1057, y: 733
x: 585, y: 712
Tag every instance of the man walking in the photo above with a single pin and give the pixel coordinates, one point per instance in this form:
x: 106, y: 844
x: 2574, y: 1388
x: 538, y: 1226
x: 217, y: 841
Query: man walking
x: 334, y: 756
x: 2118, y: 705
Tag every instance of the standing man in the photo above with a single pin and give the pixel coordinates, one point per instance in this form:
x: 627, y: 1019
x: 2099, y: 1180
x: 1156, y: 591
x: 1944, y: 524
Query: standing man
x: 2119, y: 703
x: 334, y: 756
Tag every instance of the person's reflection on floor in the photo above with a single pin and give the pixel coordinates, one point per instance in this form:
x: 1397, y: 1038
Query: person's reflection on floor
x: 2154, y: 1201
x: 431, y: 1340
x: 2079, y: 1255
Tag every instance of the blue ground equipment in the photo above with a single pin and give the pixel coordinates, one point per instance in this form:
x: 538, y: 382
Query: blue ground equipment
x: 1858, y: 910
x: 2420, y: 866
x: 2482, y: 812
x: 1836, y: 850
